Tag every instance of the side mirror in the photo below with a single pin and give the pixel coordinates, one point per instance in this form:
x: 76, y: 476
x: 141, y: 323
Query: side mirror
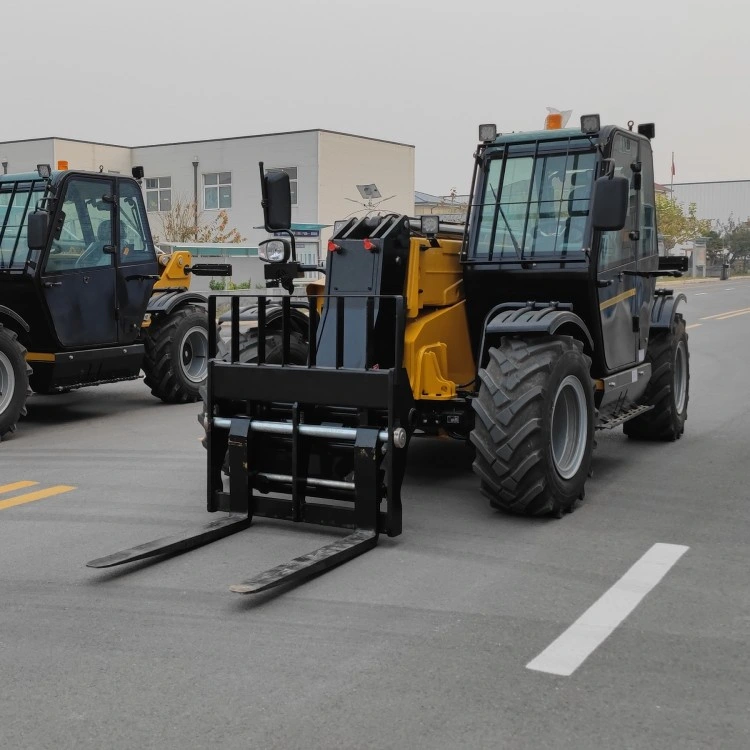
x: 609, y: 206
x: 37, y: 229
x: 277, y: 200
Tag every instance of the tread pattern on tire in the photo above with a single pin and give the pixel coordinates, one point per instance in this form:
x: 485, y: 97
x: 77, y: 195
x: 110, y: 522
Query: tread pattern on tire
x: 7, y: 428
x: 508, y: 432
x: 661, y: 422
x: 163, y: 375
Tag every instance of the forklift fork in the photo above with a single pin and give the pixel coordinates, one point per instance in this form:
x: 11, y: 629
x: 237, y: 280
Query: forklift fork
x: 321, y: 443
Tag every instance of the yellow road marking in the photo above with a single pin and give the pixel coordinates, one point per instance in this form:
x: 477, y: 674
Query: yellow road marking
x: 618, y: 298
x: 29, y: 497
x: 734, y: 315
x: 694, y: 325
x: 16, y: 486
x: 728, y: 312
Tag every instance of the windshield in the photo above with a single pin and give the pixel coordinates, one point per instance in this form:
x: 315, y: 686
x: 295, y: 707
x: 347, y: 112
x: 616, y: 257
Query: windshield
x: 535, y: 206
x: 16, y: 201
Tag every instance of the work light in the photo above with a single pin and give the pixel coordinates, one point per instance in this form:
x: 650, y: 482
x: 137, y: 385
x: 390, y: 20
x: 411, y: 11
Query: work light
x: 44, y: 171
x: 273, y: 251
x: 429, y: 225
x: 487, y: 132
x: 590, y: 124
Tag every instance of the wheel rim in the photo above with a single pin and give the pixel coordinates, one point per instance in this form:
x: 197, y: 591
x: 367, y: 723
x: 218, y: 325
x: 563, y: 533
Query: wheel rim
x: 194, y: 354
x: 569, y: 427
x: 7, y: 382
x: 680, y: 377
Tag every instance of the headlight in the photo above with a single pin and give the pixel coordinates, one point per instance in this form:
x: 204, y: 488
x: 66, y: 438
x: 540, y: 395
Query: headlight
x: 273, y: 251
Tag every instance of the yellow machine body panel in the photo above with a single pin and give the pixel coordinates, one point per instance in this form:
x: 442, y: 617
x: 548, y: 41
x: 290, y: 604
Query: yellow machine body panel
x: 437, y: 353
x: 173, y: 274
x: 434, y: 277
x: 437, y: 348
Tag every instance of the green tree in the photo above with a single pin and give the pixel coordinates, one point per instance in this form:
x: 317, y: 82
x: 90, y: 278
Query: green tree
x: 728, y: 243
x: 675, y: 225
x: 739, y: 245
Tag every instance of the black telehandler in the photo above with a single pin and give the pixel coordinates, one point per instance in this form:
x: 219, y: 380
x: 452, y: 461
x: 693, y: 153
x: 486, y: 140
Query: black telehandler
x: 523, y: 331
x: 86, y: 298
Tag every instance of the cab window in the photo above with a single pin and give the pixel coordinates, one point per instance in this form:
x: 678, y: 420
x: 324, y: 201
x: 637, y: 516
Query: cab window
x: 616, y: 248
x: 136, y: 245
x: 86, y: 235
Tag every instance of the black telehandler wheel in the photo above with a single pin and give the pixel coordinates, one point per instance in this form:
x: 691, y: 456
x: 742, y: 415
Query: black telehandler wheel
x: 669, y: 388
x: 176, y: 360
x: 534, y: 427
x: 14, y: 380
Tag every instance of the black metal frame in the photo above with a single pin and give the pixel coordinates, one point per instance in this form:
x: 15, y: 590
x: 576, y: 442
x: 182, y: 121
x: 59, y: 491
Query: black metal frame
x: 260, y: 414
x: 35, y: 186
x: 483, y: 159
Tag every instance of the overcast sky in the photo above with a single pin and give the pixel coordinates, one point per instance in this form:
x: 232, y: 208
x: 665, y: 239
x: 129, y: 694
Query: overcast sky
x: 134, y: 72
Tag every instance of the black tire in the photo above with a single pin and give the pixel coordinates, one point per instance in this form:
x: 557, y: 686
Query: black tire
x: 176, y: 360
x: 14, y: 381
x: 534, y: 427
x: 668, y: 391
x: 249, y: 348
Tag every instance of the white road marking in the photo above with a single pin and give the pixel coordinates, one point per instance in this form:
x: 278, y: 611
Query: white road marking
x: 693, y: 325
x: 728, y: 288
x: 567, y: 652
x: 698, y: 294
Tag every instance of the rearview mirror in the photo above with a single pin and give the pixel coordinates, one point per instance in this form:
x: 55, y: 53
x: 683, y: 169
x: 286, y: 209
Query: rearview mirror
x: 277, y: 200
x: 609, y: 207
x: 37, y: 229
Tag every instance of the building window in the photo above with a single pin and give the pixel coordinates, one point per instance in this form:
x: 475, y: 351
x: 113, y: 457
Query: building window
x: 158, y: 194
x: 292, y: 172
x: 217, y: 190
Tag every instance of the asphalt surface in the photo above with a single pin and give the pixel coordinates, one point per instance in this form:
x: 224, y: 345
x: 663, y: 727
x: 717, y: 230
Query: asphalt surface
x: 422, y: 642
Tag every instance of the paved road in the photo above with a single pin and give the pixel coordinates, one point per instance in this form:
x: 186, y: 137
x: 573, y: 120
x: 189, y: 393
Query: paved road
x: 421, y: 643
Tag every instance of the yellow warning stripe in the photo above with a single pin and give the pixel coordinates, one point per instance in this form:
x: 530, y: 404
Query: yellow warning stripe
x: 29, y: 497
x: 39, y: 357
x: 618, y: 298
x: 734, y: 315
x: 16, y: 486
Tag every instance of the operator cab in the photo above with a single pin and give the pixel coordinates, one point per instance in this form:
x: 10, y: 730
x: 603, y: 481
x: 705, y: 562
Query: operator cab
x: 567, y: 215
x: 80, y: 244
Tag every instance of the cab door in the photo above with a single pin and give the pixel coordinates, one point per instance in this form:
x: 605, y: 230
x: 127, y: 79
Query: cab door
x: 616, y: 265
x: 78, y: 275
x: 137, y: 267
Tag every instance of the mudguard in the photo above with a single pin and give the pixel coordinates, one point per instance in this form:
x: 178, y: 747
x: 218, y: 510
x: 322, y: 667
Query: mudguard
x: 664, y: 309
x: 7, y: 312
x: 533, y: 318
x: 166, y: 302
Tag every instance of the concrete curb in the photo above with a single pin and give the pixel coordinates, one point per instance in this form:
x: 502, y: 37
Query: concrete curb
x: 690, y: 282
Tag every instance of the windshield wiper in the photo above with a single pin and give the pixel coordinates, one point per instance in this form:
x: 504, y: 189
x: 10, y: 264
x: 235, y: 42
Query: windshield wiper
x: 516, y: 246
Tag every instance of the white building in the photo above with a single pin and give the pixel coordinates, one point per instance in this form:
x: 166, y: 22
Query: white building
x: 716, y: 201
x: 325, y: 168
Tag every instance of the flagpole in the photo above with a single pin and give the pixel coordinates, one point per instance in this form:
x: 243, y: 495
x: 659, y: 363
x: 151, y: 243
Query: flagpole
x: 671, y: 180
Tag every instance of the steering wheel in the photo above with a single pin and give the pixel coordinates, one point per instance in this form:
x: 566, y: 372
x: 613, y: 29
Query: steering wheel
x: 88, y: 253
